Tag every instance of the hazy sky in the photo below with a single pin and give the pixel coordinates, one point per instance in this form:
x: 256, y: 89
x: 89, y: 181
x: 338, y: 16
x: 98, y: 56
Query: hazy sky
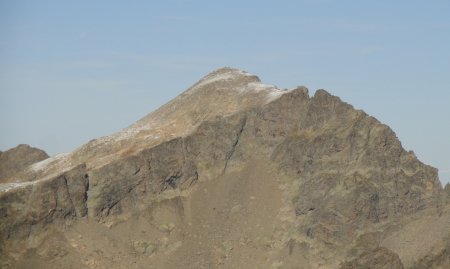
x: 71, y: 71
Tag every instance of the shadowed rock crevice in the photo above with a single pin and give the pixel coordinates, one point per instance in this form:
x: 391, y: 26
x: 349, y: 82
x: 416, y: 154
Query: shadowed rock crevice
x: 235, y: 143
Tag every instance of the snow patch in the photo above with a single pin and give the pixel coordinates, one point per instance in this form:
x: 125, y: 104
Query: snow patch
x: 9, y: 186
x: 221, y: 77
x: 271, y: 91
x: 124, y: 134
x: 39, y: 166
x: 128, y: 133
x: 228, y: 75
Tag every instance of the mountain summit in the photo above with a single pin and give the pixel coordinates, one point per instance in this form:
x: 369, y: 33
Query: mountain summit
x: 232, y: 173
x: 220, y: 93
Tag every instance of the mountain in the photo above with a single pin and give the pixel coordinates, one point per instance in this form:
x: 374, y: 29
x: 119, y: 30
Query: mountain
x: 17, y: 159
x: 232, y: 173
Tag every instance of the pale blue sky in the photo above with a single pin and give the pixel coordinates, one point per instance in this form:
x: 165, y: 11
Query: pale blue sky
x: 71, y: 71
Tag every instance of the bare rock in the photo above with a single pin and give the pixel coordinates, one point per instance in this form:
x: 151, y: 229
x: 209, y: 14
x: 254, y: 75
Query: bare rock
x: 334, y: 178
x: 17, y: 159
x: 380, y: 258
x: 447, y: 191
x: 32, y: 207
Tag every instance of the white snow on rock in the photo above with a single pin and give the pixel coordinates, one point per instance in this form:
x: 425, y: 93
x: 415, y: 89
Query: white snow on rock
x: 4, y: 187
x: 42, y: 165
x: 271, y: 91
x: 226, y: 74
x: 129, y: 132
x: 230, y: 75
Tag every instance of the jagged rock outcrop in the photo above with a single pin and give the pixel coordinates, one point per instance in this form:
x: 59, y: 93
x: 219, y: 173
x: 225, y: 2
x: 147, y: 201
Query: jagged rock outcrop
x: 17, y: 159
x: 232, y: 174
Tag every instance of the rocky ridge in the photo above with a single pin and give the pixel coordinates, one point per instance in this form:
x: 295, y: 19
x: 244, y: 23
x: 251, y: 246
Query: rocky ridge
x: 232, y: 174
x: 17, y: 159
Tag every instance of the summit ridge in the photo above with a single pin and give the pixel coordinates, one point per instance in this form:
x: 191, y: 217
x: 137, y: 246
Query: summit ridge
x: 220, y: 93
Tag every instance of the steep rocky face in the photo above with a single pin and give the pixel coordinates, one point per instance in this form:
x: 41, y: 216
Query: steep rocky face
x: 17, y: 159
x: 58, y: 198
x: 232, y: 174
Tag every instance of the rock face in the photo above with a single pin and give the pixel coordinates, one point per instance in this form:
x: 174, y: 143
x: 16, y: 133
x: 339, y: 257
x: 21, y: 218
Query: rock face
x: 232, y: 174
x: 17, y: 159
x: 380, y: 258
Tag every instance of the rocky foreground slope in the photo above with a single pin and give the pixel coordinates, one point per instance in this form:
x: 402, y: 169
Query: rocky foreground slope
x: 231, y: 174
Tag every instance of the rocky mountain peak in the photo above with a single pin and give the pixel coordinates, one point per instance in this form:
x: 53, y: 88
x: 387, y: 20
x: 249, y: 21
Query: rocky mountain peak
x: 233, y: 76
x: 232, y: 173
x: 221, y: 93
